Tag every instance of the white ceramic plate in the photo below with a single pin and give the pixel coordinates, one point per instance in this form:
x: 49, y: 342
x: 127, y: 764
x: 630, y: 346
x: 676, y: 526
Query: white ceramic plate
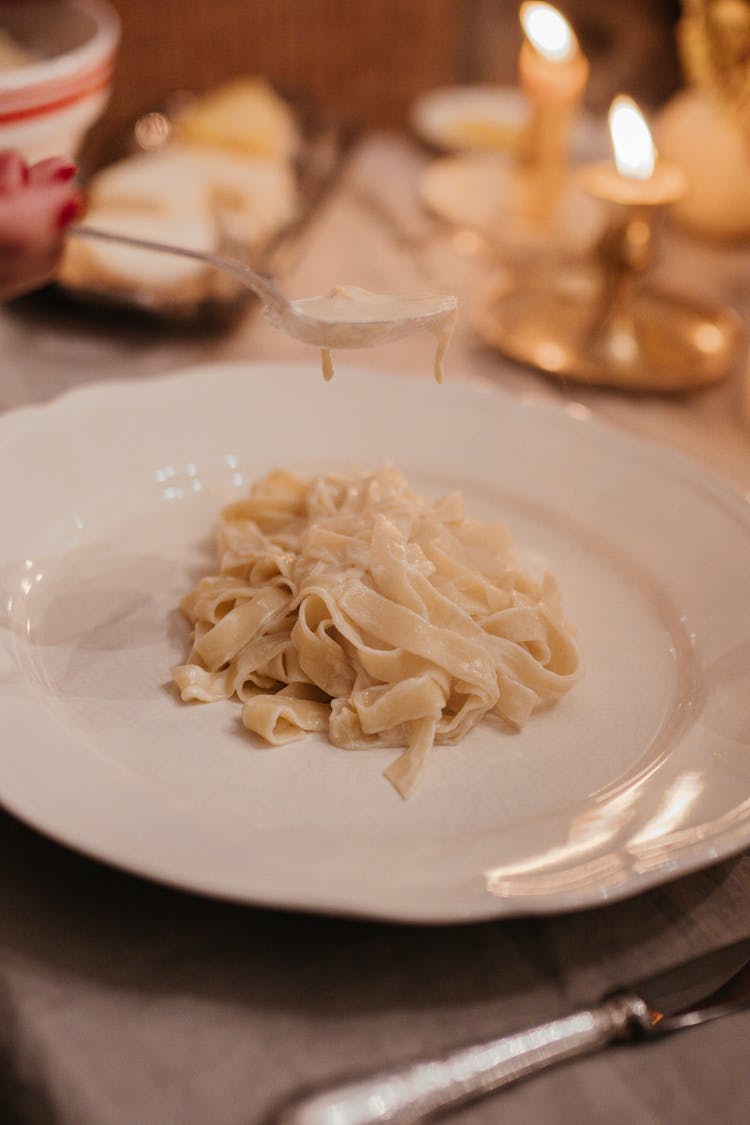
x: 492, y: 117
x: 640, y: 774
x: 470, y: 117
x: 479, y: 190
x: 477, y: 185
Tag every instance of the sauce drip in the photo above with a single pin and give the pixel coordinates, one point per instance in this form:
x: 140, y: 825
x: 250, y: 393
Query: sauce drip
x: 350, y: 317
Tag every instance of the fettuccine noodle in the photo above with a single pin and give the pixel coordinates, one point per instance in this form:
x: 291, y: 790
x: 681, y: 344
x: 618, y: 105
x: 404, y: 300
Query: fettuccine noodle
x: 347, y: 604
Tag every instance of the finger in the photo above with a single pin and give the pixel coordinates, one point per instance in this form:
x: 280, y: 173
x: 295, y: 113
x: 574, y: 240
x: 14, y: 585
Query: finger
x: 37, y: 217
x: 14, y: 172
x: 57, y: 169
x: 21, y: 274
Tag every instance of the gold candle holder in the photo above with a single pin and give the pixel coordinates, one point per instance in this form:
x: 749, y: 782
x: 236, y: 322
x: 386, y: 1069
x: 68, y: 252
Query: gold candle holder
x: 599, y: 320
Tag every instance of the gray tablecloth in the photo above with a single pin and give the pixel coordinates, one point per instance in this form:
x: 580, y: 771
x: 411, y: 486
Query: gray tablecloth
x: 125, y: 1002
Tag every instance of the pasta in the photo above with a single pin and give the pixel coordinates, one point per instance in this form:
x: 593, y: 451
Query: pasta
x: 349, y: 605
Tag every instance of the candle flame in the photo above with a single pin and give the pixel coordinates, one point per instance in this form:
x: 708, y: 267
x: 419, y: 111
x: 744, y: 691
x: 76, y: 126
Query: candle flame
x: 635, y: 155
x: 548, y: 31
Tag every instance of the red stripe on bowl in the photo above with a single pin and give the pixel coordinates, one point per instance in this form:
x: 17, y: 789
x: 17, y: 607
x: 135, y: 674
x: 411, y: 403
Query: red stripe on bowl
x: 44, y: 93
x: 94, y: 85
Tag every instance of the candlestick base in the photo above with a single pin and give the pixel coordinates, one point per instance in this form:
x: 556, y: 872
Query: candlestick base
x: 659, y: 341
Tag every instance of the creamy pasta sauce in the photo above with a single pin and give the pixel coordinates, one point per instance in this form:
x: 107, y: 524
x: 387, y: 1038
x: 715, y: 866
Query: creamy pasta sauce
x: 361, y: 319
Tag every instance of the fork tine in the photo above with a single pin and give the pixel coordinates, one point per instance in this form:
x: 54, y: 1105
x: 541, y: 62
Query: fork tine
x: 700, y: 1015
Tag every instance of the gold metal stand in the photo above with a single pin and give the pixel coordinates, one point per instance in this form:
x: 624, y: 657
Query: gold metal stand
x: 597, y: 320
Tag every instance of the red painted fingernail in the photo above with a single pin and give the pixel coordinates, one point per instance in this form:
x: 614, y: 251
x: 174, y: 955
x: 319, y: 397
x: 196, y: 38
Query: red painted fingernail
x: 64, y: 173
x: 68, y: 212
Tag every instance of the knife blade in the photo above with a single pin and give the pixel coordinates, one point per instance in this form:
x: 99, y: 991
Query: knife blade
x: 656, y: 1005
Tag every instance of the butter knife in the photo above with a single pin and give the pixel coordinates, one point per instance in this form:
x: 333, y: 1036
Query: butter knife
x: 658, y: 1005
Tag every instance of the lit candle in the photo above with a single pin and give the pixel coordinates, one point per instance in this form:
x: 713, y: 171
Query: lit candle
x: 636, y: 178
x: 553, y: 73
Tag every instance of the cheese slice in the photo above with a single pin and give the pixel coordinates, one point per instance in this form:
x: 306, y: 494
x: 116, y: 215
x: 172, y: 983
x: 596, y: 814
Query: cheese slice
x: 245, y: 115
x: 250, y: 197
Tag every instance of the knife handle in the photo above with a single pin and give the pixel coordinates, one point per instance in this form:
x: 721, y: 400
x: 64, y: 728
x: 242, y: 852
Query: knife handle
x: 411, y: 1093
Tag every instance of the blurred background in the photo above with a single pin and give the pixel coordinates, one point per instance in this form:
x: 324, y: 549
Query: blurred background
x: 221, y: 126
x: 366, y: 60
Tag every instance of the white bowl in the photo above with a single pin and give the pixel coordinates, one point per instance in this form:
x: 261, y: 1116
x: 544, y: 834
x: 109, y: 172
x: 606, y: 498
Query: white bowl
x: 462, y: 118
x: 47, y: 105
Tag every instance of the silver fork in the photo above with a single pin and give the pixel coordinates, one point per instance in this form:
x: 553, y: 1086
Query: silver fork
x: 359, y: 324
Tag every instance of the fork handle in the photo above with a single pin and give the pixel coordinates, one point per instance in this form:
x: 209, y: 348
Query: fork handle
x: 411, y: 1093
x: 260, y: 285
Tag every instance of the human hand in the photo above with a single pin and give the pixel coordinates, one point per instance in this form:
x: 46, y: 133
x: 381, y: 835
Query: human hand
x: 37, y: 203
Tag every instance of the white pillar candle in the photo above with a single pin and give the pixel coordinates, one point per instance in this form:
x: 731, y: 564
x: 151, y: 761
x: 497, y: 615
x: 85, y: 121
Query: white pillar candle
x: 553, y: 73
